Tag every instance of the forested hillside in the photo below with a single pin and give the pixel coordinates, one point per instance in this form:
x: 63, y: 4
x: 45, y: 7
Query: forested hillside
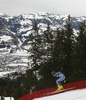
x: 59, y: 50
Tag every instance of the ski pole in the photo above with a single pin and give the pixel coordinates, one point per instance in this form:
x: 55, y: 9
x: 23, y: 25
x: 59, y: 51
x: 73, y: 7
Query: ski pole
x: 71, y: 75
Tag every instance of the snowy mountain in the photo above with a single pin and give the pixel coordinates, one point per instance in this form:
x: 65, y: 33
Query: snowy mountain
x: 14, y: 35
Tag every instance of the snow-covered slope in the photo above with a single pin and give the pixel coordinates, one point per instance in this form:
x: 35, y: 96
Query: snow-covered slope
x: 8, y: 98
x: 14, y: 35
x: 70, y: 95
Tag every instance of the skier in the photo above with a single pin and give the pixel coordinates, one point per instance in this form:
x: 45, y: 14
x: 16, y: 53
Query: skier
x: 61, y: 77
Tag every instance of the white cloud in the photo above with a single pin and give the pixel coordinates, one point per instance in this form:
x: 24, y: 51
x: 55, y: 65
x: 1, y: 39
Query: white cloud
x: 16, y: 7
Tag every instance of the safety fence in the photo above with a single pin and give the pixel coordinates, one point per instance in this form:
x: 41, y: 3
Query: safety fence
x: 50, y: 91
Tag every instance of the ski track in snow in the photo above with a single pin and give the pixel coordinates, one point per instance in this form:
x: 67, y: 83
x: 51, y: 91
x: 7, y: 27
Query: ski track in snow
x: 69, y: 95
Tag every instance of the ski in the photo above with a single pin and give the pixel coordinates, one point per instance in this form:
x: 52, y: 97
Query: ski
x: 63, y: 90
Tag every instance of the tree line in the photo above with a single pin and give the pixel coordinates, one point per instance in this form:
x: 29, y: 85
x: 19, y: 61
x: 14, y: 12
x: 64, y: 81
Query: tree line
x: 59, y: 50
x: 11, y: 88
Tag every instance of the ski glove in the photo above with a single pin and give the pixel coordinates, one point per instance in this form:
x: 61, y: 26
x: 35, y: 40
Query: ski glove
x: 64, y: 81
x: 59, y: 75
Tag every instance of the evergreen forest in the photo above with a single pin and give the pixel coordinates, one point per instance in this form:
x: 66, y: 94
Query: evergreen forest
x: 60, y: 50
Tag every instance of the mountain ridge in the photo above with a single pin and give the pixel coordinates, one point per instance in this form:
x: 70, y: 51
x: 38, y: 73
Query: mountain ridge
x: 15, y: 31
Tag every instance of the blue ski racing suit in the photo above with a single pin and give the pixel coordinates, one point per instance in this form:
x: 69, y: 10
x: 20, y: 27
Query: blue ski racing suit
x: 60, y: 76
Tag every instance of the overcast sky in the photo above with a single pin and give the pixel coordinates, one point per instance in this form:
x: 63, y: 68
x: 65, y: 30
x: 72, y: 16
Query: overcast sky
x: 17, y: 7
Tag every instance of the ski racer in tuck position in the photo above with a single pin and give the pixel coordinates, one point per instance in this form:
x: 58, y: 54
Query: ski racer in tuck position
x: 61, y: 77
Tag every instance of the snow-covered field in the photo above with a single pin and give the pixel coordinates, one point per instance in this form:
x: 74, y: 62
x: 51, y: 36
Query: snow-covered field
x: 70, y: 95
x: 8, y: 98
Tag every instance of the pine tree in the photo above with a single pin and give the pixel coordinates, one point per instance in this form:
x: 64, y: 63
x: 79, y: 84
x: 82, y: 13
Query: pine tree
x: 48, y: 37
x: 68, y: 50
x: 58, y: 51
x: 29, y: 82
x: 36, y: 52
x: 36, y: 47
x: 6, y: 90
x: 80, y: 52
x: 46, y: 66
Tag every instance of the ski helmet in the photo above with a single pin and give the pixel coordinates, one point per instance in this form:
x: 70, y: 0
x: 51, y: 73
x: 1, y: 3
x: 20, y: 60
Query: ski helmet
x: 53, y: 73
